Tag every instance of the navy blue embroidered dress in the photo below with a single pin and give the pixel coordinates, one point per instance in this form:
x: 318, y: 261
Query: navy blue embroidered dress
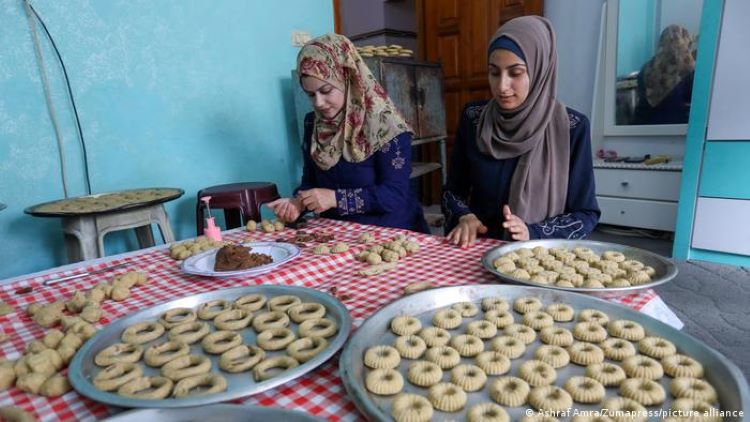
x: 483, y: 183
x: 375, y: 191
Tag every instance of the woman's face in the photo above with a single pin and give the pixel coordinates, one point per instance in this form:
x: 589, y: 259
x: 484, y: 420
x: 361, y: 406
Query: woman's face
x: 509, y: 79
x: 326, y: 98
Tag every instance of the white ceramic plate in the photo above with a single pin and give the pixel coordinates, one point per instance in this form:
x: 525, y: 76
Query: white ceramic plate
x: 203, y: 263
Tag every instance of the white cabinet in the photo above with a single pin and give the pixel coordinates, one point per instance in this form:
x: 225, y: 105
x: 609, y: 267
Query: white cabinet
x: 721, y: 225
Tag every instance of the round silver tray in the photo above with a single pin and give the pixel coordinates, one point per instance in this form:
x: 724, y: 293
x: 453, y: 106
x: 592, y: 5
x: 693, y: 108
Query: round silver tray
x: 726, y: 377
x: 82, y: 368
x: 214, y: 413
x: 665, y: 269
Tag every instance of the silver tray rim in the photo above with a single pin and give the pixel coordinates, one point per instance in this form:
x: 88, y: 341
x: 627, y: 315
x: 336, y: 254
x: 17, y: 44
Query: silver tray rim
x: 294, y: 252
x: 244, y: 410
x: 81, y: 384
x: 357, y: 392
x: 495, y: 252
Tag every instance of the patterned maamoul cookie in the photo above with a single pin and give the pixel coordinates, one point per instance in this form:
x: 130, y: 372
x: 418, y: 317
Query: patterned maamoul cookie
x: 539, y: 251
x: 550, y: 398
x: 537, y: 373
x: 626, y: 329
x: 540, y: 278
x: 466, y: 309
x: 487, y: 412
x: 585, y: 389
x: 520, y: 274
x: 508, y: 346
x: 583, y: 251
x: 608, y: 374
x: 509, y: 391
x: 567, y: 258
x: 524, y: 252
x: 561, y: 312
x: 445, y: 357
x: 384, y: 381
x: 538, y: 320
x: 704, y: 409
x: 505, y: 267
x: 434, y: 336
x: 640, y: 366
x: 557, y: 251
x: 521, y: 332
x: 589, y: 331
x: 632, y: 411
x: 468, y: 377
x: 556, y: 336
x: 594, y: 315
x: 645, y: 391
x: 493, y: 363
x: 580, y: 266
x: 447, y: 397
x: 630, y: 265
x: 552, y: 265
x: 497, y: 303
x: 613, y: 256
x: 382, y: 357
x: 656, y: 347
x: 467, y: 345
x: 410, y: 347
x: 592, y: 283
x: 424, y: 373
x: 638, y: 277
x: 527, y: 263
x: 503, y: 262
x: 585, y: 353
x: 693, y: 388
x: 523, y: 305
x: 483, y: 329
x: 411, y: 408
x: 617, y: 348
x: 555, y: 356
x: 618, y: 282
x: 680, y: 366
x: 405, y: 325
x: 501, y: 319
x: 447, y: 319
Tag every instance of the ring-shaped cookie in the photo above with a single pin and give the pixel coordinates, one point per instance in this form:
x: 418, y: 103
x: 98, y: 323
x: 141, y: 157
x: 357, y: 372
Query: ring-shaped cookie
x: 306, y: 348
x: 241, y: 358
x: 250, y: 303
x: 186, y: 366
x: 147, y: 388
x: 262, y: 371
x: 189, y: 333
x: 275, y: 338
x: 119, y: 353
x: 219, y: 342
x: 210, y: 309
x: 305, y: 311
x: 213, y: 383
x: 269, y: 320
x: 283, y: 303
x: 318, y: 328
x: 159, y: 354
x: 233, y: 320
x: 177, y: 316
x: 142, y: 332
x: 114, y: 376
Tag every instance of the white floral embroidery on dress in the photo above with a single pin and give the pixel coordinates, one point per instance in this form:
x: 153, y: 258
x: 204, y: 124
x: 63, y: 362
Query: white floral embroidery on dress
x: 343, y: 208
x: 574, y: 120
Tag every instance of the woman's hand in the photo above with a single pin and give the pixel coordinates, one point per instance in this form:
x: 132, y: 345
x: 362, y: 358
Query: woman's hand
x: 286, y: 209
x: 465, y: 233
x: 514, y: 225
x: 318, y: 200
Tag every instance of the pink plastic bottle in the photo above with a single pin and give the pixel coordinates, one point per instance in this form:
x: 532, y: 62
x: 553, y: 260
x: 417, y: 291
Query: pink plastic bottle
x: 212, y: 231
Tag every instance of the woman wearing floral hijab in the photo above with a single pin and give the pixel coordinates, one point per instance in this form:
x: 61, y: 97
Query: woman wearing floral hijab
x: 521, y: 166
x: 356, y: 148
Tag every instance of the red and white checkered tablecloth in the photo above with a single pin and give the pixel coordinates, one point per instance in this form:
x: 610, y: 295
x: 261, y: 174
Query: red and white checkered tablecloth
x: 319, y: 392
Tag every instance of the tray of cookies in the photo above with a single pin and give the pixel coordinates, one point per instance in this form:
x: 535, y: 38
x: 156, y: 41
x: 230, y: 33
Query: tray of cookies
x: 210, y: 347
x: 505, y: 352
x: 583, y: 266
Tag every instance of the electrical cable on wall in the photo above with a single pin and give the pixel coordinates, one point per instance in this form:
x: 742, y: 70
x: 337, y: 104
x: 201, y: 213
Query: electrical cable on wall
x: 30, y: 10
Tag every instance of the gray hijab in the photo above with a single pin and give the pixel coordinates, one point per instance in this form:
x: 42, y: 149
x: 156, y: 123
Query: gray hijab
x: 538, y: 131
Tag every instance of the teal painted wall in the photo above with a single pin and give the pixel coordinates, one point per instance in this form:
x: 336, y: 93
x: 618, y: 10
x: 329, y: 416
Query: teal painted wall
x: 726, y: 170
x: 170, y: 93
x: 635, y: 34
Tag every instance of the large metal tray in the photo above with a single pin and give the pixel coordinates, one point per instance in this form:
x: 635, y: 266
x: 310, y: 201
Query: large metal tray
x: 214, y: 413
x: 666, y: 270
x: 82, y: 367
x: 730, y: 384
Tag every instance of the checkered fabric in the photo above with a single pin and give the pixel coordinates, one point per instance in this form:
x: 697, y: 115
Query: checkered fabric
x: 319, y: 392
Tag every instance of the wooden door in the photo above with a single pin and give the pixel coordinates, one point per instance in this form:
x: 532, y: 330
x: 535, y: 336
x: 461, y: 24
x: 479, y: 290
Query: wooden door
x: 456, y: 33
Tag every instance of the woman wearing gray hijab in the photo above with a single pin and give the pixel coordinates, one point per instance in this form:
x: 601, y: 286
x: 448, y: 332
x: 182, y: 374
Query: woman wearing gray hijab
x: 521, y: 166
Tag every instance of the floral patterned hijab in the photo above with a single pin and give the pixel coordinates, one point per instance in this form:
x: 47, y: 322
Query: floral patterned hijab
x: 672, y: 62
x: 368, y: 120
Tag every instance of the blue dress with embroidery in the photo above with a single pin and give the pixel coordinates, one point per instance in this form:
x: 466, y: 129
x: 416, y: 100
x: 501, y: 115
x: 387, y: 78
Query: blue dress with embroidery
x: 483, y: 183
x: 375, y: 191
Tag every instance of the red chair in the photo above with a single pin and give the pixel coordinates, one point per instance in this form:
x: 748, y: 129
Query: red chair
x: 240, y: 201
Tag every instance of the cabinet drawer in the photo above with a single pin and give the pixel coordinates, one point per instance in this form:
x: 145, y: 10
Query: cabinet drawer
x: 641, y: 184
x: 656, y: 215
x: 721, y: 225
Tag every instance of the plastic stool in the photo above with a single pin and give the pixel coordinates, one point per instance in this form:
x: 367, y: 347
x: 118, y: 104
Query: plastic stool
x: 240, y: 201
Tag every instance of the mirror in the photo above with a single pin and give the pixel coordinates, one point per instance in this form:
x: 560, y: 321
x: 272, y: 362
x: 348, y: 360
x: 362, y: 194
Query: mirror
x: 649, y: 65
